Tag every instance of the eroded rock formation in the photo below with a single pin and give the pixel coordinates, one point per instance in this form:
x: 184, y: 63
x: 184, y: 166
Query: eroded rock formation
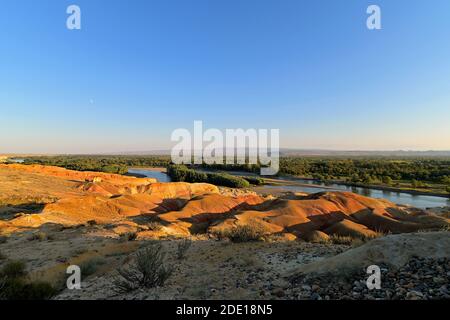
x: 183, y: 208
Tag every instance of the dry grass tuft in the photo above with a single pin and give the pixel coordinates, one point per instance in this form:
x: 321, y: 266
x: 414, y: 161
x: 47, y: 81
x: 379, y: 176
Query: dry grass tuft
x: 251, y: 231
x: 182, y: 248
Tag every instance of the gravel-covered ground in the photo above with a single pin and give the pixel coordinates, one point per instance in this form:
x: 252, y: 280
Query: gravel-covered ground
x: 419, y: 279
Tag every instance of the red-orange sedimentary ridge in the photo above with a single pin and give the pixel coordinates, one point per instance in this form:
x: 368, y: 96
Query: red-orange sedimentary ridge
x: 184, y: 208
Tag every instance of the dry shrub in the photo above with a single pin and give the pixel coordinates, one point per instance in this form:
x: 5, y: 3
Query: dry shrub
x: 128, y: 236
x: 254, y: 230
x: 14, y: 284
x: 147, y: 271
x: 350, y: 241
x: 155, y: 226
x: 89, y: 267
x: 182, y: 247
x: 39, y: 236
x: 346, y: 240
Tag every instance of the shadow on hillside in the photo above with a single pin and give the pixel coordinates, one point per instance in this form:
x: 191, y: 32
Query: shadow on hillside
x: 9, y: 212
x: 319, y: 222
x: 165, y: 206
x: 202, y: 221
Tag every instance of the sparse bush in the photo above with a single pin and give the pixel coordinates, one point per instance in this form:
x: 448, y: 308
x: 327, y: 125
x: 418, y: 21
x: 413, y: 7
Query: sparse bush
x: 359, y: 242
x: 89, y: 267
x: 346, y: 240
x: 350, y: 241
x: 147, y: 271
x: 50, y: 237
x: 79, y: 251
x: 128, y: 236
x: 14, y: 269
x: 3, y: 239
x: 19, y: 289
x: 155, y: 226
x: 39, y: 236
x: 15, y: 286
x: 91, y: 223
x: 182, y: 247
x: 2, y: 256
x: 252, y: 231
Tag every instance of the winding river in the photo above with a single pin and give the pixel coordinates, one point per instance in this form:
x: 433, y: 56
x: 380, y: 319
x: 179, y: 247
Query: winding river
x: 418, y: 201
x: 311, y: 186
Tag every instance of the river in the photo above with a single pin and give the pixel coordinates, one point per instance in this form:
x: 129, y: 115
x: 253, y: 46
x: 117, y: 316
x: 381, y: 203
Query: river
x: 418, y: 201
x: 311, y: 186
x: 156, y: 173
x: 16, y: 160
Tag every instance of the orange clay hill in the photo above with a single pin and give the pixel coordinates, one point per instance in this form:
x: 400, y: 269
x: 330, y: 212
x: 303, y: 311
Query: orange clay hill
x: 33, y: 197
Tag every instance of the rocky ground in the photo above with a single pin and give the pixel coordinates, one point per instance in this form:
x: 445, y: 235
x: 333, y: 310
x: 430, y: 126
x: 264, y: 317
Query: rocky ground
x: 267, y: 270
x: 419, y: 279
x: 217, y: 270
x: 413, y: 266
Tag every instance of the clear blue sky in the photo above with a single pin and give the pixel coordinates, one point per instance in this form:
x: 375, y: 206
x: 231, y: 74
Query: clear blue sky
x: 137, y: 70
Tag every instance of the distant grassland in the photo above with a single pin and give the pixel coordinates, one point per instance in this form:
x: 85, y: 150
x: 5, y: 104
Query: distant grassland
x: 422, y: 174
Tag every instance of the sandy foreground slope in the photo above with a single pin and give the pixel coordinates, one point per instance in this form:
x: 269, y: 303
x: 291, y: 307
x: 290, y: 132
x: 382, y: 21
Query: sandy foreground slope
x: 51, y: 218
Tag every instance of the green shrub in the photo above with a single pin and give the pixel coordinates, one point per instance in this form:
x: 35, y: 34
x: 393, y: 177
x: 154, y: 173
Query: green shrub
x: 387, y: 180
x: 177, y: 172
x: 194, y: 176
x: 117, y: 169
x: 255, y: 180
x: 182, y: 173
x: 147, y: 271
x: 226, y: 180
x: 418, y: 184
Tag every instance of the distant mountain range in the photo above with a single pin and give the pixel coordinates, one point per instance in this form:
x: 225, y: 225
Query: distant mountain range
x: 323, y: 152
x: 394, y: 153
x: 283, y: 152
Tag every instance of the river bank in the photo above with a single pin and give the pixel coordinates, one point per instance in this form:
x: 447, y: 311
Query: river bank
x: 294, y: 180
x: 310, y: 182
x: 284, y: 184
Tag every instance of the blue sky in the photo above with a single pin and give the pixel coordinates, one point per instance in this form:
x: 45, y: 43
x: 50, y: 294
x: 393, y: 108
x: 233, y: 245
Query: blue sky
x: 137, y: 70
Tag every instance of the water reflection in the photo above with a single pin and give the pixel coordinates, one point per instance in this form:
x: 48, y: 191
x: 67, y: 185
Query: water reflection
x: 419, y: 201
